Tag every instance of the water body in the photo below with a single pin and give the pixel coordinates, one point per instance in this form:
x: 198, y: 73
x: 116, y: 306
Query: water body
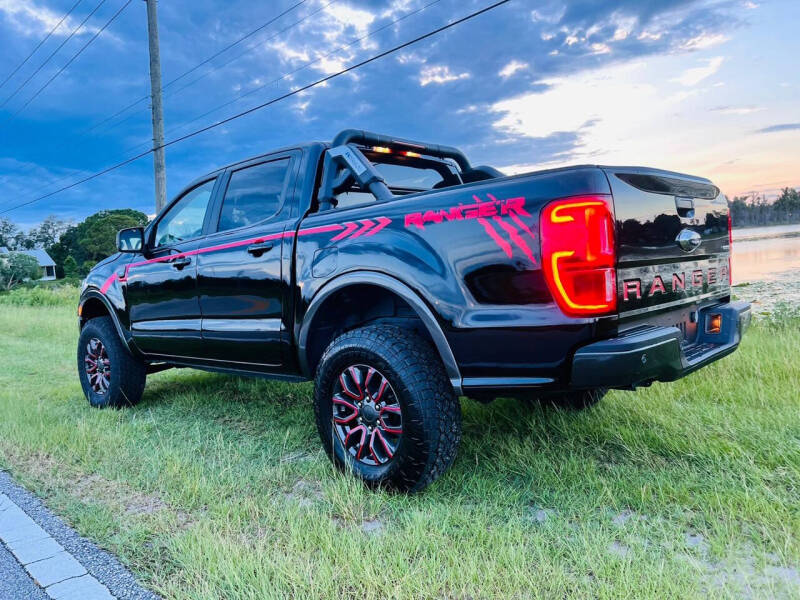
x: 762, y: 253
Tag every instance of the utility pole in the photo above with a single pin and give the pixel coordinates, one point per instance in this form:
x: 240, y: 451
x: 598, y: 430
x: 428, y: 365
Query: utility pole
x: 159, y: 164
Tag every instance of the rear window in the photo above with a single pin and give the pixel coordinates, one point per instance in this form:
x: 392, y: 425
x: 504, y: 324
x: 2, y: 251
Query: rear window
x: 403, y: 176
x: 253, y: 195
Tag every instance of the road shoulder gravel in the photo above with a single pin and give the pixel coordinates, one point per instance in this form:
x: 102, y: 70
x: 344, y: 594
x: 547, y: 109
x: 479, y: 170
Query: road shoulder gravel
x: 64, y: 564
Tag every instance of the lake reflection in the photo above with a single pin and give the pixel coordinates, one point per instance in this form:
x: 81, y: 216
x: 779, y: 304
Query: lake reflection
x: 755, y: 259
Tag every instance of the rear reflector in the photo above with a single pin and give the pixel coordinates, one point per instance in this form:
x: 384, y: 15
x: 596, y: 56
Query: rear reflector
x: 578, y: 254
x: 713, y: 323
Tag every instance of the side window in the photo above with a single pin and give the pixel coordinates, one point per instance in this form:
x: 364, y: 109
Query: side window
x: 253, y: 194
x: 184, y: 220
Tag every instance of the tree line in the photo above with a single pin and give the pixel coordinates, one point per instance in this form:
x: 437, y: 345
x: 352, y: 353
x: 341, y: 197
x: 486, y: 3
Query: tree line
x: 755, y: 210
x: 74, y: 248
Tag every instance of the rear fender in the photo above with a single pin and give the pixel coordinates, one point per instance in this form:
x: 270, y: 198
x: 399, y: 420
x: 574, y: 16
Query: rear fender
x: 395, y: 286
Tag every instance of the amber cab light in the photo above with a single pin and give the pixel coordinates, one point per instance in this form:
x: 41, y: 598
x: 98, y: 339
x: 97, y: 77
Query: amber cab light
x: 578, y: 254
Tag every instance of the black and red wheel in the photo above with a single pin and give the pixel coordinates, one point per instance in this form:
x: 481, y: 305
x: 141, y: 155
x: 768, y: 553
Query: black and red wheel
x: 385, y: 409
x: 110, y: 375
x: 367, y: 415
x: 97, y: 366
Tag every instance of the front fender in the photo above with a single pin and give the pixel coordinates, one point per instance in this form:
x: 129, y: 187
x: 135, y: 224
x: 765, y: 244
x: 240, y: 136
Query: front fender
x: 93, y: 294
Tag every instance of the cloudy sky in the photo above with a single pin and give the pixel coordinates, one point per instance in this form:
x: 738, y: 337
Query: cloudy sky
x: 705, y: 87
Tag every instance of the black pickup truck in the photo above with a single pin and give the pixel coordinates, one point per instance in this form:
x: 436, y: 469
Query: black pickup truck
x: 399, y: 277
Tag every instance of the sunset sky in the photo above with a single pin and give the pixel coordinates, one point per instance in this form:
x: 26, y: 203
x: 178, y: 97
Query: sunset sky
x: 705, y: 87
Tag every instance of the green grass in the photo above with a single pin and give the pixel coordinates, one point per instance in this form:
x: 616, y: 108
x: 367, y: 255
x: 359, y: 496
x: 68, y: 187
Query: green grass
x: 215, y: 487
x: 41, y: 293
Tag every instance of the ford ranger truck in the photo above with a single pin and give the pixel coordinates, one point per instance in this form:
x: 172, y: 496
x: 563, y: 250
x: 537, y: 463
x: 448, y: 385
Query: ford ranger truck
x: 398, y: 277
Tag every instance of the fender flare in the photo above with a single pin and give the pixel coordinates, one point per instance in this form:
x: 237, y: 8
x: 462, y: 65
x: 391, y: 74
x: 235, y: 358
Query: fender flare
x: 95, y: 294
x: 393, y: 285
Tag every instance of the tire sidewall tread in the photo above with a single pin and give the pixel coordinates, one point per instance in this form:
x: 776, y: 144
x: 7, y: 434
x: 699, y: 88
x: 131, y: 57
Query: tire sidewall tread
x: 430, y: 408
x: 128, y: 374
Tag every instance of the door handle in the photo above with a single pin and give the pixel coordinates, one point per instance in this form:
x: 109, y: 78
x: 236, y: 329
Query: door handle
x: 180, y: 263
x: 259, y: 249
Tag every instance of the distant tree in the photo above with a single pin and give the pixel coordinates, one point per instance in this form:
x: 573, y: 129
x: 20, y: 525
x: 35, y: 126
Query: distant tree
x: 98, y: 233
x: 48, y: 232
x: 66, y: 246
x: 16, y: 268
x: 788, y: 202
x: 8, y: 232
x: 755, y: 209
x: 23, y: 242
x: 70, y: 267
x: 93, y: 239
x: 87, y: 266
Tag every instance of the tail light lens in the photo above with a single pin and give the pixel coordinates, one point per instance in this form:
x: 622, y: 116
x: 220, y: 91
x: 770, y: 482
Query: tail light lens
x: 578, y: 254
x: 730, y: 247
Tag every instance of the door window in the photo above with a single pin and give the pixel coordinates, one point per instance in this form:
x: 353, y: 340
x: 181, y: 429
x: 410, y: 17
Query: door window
x: 254, y: 194
x: 184, y: 220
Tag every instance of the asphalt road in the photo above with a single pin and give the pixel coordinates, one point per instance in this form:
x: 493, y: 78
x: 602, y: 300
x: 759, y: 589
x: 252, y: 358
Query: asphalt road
x: 15, y: 583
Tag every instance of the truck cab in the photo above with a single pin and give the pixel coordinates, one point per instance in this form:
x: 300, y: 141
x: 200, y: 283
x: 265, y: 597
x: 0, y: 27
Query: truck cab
x: 398, y: 277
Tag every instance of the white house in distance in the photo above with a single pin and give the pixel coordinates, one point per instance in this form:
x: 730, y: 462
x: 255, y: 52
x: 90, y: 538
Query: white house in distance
x: 46, y: 263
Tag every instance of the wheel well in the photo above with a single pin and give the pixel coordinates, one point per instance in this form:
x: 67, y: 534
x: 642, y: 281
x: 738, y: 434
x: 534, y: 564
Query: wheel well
x: 91, y: 309
x: 355, y: 306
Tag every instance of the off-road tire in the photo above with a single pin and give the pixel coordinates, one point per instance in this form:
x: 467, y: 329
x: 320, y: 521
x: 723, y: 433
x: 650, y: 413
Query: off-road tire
x: 127, y: 373
x: 576, y: 399
x: 431, y: 413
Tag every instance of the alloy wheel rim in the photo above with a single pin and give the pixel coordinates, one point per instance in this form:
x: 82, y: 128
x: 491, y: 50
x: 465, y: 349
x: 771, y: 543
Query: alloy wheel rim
x: 367, y: 416
x: 97, y: 366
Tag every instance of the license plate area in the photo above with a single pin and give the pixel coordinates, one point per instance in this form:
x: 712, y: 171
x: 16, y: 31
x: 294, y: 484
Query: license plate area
x: 685, y: 319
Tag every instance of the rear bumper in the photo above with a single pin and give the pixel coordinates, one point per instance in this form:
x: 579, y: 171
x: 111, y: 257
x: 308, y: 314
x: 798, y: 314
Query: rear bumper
x: 649, y: 353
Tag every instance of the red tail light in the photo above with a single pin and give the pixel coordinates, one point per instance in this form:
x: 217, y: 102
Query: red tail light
x: 578, y: 255
x: 730, y: 246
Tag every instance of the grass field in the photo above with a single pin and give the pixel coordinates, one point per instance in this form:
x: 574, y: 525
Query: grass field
x: 215, y: 486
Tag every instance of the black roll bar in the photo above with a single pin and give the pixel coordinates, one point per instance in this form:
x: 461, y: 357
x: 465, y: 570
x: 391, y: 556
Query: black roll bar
x: 368, y: 138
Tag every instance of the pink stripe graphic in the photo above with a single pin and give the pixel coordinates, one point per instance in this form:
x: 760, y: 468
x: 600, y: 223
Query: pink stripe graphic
x: 522, y: 224
x: 514, y: 235
x: 504, y: 245
x: 367, y: 225
x: 265, y: 238
x: 349, y: 228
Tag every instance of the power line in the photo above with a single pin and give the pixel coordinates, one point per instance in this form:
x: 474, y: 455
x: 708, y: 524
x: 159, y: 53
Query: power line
x: 74, y: 56
x: 276, y: 80
x: 238, y: 56
x: 237, y: 42
x: 304, y: 66
x: 40, y: 44
x: 136, y: 146
x: 268, y: 103
x: 226, y: 63
x: 200, y: 64
x: 369, y: 34
x: 47, y: 60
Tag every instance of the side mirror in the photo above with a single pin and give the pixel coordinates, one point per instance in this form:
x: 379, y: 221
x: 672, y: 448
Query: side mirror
x: 130, y: 240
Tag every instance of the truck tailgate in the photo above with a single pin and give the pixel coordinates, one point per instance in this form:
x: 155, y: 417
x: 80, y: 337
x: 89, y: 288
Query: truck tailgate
x: 673, y: 248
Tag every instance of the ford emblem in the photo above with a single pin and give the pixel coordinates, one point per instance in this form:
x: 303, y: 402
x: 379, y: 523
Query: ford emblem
x: 688, y: 240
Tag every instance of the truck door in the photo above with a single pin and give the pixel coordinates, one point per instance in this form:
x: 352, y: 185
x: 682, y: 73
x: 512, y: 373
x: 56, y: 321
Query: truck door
x: 161, y: 287
x: 242, y: 286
